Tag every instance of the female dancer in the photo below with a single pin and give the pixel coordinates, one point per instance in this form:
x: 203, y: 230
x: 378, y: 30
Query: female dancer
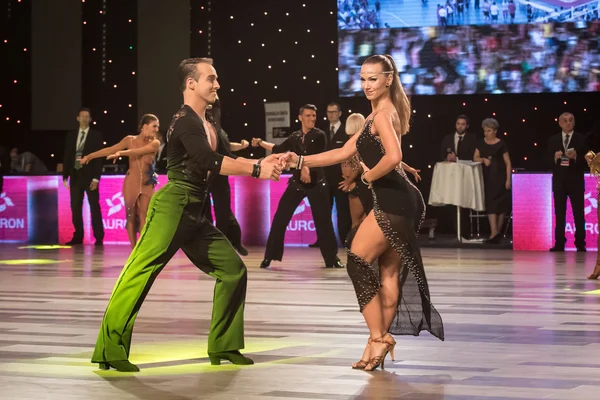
x: 139, y: 183
x: 396, y: 300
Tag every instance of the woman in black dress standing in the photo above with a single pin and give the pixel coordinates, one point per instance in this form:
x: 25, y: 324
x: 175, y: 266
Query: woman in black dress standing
x: 493, y: 154
x: 384, y: 257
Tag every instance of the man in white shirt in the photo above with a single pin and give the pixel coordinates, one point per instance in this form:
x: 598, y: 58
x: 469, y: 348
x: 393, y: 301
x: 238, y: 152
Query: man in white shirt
x: 80, y: 179
x: 494, y: 12
x: 443, y: 13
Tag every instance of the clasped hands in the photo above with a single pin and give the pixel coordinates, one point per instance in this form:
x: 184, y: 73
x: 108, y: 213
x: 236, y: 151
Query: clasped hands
x: 290, y: 160
x: 571, y: 153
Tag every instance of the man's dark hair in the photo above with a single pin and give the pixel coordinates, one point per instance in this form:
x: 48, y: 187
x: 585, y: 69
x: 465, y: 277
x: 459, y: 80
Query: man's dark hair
x: 463, y: 116
x: 333, y: 103
x: 84, y: 109
x: 307, y: 107
x: 188, y: 69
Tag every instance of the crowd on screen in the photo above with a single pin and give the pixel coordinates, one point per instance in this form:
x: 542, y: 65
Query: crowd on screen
x: 480, y: 59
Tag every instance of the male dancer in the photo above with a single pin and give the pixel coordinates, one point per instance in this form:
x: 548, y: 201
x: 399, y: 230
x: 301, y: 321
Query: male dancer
x: 175, y: 221
x: 304, y: 183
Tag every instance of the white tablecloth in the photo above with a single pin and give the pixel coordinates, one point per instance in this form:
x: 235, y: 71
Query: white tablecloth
x: 458, y: 184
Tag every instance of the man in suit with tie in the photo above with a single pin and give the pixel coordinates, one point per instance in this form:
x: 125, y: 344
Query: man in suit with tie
x: 80, y: 179
x: 336, y: 138
x: 566, y: 154
x: 456, y: 146
x: 459, y: 145
x: 161, y: 156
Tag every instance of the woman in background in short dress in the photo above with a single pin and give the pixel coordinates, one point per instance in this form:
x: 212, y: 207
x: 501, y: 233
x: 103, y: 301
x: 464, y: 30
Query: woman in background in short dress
x: 138, y: 186
x: 493, y: 154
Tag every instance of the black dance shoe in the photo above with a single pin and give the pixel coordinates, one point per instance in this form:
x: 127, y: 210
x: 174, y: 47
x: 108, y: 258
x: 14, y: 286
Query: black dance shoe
x: 121, y: 366
x: 235, y: 357
x: 557, y: 249
x: 314, y: 245
x: 265, y: 263
x: 241, y: 249
x: 493, y: 240
x: 336, y: 264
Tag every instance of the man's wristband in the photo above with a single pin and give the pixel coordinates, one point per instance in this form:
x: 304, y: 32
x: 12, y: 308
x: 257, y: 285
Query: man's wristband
x: 256, y: 170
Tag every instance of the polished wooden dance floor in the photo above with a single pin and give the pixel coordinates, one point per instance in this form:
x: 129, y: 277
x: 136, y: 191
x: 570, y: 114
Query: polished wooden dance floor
x: 518, y: 326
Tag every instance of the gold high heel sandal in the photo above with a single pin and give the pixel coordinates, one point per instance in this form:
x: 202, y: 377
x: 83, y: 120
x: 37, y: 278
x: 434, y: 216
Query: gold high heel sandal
x: 596, y: 272
x: 378, y: 360
x: 362, y: 364
x: 390, y: 344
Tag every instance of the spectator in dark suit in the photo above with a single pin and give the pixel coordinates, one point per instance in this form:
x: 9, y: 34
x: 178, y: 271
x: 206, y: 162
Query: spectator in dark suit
x: 456, y: 146
x: 566, y: 155
x: 336, y: 138
x: 80, y: 179
x: 459, y: 145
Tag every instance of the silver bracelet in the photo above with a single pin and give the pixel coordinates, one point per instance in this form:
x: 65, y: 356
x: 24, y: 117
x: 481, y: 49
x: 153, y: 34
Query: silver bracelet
x: 300, y: 162
x: 362, y: 178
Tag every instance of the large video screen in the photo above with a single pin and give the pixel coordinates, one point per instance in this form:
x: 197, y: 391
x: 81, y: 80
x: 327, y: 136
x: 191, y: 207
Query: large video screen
x: 477, y: 50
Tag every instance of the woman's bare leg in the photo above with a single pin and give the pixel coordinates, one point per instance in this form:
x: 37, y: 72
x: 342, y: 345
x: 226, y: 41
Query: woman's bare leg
x: 131, y: 226
x: 143, y: 203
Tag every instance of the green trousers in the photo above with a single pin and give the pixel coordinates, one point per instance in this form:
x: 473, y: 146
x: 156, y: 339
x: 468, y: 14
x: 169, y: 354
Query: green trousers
x: 175, y: 221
